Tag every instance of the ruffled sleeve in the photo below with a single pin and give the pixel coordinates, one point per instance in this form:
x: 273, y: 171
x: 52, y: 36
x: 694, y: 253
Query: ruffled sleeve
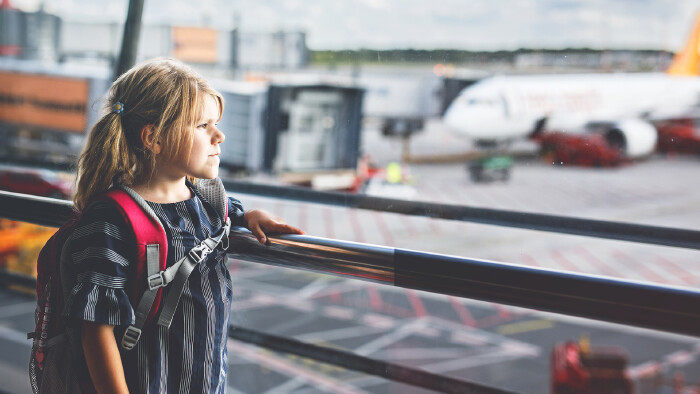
x: 100, y: 304
x: 98, y: 267
x: 236, y: 212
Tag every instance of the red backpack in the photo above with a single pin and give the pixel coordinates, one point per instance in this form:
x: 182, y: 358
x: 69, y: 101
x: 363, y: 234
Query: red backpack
x: 51, y: 367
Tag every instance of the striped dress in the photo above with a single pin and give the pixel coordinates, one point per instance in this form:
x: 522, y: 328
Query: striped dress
x: 190, y: 356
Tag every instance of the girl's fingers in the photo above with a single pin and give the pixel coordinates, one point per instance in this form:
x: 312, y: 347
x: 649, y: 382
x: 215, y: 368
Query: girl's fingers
x: 258, y: 233
x: 284, y: 228
x: 293, y: 230
x: 270, y: 224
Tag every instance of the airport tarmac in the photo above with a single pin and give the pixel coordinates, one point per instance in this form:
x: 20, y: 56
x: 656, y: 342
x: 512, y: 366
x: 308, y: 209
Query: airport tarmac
x: 486, y: 343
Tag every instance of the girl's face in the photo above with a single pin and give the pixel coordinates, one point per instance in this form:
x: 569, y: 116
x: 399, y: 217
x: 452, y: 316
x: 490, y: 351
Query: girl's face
x: 203, y: 159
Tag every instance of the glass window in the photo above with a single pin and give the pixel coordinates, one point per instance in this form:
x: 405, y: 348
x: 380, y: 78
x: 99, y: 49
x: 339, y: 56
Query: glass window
x: 505, y: 108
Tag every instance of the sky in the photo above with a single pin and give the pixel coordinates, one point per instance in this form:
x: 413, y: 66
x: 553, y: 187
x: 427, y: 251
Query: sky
x: 426, y: 24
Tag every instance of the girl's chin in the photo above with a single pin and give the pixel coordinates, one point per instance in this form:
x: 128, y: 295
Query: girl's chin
x: 209, y: 173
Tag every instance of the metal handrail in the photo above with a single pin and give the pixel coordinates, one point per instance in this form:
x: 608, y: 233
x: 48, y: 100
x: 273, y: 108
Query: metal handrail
x: 400, y: 373
x: 656, y: 235
x: 659, y: 307
x: 342, y: 358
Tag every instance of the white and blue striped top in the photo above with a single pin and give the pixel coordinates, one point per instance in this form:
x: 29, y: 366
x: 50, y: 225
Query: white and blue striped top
x: 190, y: 356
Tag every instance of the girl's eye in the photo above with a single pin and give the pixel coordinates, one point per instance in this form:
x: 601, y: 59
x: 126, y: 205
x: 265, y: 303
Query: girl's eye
x: 202, y: 126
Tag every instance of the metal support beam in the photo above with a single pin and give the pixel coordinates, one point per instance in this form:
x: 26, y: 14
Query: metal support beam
x: 130, y: 39
x: 655, y: 235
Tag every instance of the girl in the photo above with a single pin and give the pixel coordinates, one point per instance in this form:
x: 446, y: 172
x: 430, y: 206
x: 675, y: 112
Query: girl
x: 158, y: 137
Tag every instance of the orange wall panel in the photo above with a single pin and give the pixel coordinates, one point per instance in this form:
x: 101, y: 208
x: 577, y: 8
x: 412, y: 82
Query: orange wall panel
x: 47, y: 101
x: 195, y: 44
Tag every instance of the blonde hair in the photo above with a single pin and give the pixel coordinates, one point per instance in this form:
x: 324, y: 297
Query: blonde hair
x: 162, y: 93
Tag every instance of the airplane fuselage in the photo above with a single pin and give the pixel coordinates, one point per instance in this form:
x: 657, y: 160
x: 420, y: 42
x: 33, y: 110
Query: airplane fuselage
x: 508, y: 107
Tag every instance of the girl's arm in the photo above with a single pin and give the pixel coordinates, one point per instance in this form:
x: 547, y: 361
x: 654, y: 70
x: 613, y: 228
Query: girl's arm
x: 261, y: 222
x: 102, y: 357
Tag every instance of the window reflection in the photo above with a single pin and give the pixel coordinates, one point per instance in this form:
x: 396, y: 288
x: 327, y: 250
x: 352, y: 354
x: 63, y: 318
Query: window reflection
x: 567, y: 110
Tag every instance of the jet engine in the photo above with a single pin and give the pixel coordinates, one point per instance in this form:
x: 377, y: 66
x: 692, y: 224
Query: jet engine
x: 634, y: 138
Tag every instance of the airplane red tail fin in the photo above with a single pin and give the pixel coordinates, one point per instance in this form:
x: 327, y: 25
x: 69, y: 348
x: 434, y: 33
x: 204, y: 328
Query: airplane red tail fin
x: 687, y: 61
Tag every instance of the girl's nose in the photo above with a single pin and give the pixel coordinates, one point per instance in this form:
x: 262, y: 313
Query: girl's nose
x: 218, y: 136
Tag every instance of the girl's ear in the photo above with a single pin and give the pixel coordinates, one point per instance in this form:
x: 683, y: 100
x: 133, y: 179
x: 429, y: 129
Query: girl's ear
x: 148, y: 139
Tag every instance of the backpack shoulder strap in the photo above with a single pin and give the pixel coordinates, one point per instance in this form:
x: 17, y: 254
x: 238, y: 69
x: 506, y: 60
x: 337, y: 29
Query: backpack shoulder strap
x: 148, y: 238
x: 145, y: 224
x: 152, y: 252
x: 214, y: 192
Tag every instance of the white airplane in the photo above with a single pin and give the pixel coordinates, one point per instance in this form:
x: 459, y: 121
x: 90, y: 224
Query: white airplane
x: 622, y: 106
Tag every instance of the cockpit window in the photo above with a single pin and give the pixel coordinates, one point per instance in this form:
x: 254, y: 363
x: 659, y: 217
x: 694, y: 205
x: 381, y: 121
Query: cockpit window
x: 478, y: 101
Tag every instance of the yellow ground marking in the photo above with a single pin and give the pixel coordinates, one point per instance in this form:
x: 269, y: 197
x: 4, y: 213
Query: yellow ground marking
x: 525, y: 326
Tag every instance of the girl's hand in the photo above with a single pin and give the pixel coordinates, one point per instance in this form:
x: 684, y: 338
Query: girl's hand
x: 262, y: 222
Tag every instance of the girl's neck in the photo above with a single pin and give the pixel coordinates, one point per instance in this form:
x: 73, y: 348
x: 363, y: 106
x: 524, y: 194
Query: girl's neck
x: 163, y: 191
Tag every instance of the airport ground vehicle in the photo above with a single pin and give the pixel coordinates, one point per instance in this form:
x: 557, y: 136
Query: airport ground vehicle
x: 492, y: 168
x: 678, y: 136
x: 576, y: 368
x: 604, y: 150
x: 591, y: 150
x: 37, y: 182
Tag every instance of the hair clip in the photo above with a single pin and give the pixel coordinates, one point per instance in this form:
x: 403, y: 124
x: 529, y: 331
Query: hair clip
x: 118, y: 107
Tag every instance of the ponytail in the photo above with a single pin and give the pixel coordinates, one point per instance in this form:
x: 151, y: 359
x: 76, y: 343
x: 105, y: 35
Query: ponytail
x: 105, y: 160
